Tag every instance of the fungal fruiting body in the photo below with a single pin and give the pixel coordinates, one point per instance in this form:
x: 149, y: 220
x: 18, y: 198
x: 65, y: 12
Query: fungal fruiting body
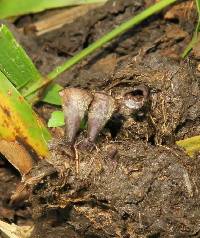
x: 100, y: 112
x: 134, y: 100
x: 75, y: 104
x: 99, y: 108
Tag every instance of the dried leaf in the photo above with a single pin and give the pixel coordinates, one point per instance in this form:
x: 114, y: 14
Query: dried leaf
x: 191, y: 145
x: 14, y: 231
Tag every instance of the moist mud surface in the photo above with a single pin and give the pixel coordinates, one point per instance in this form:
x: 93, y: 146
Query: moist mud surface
x: 135, y: 181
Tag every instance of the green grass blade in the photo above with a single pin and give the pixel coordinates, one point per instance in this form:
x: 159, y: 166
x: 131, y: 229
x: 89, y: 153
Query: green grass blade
x: 198, y: 6
x: 18, y: 121
x: 14, y: 62
x: 51, y: 94
x: 195, y: 37
x: 10, y: 8
x: 56, y: 119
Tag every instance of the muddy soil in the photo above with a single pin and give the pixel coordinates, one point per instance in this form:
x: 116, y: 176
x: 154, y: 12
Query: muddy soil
x: 143, y: 191
x: 136, y: 182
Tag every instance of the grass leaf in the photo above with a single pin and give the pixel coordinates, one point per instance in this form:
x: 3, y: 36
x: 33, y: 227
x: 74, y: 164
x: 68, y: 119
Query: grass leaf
x: 10, y: 8
x: 51, y: 94
x: 18, y: 121
x: 57, y: 119
x: 14, y: 62
x: 195, y: 37
x: 22, y: 135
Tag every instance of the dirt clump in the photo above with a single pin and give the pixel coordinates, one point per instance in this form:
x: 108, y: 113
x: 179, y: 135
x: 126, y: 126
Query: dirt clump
x: 132, y: 185
x: 142, y: 191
